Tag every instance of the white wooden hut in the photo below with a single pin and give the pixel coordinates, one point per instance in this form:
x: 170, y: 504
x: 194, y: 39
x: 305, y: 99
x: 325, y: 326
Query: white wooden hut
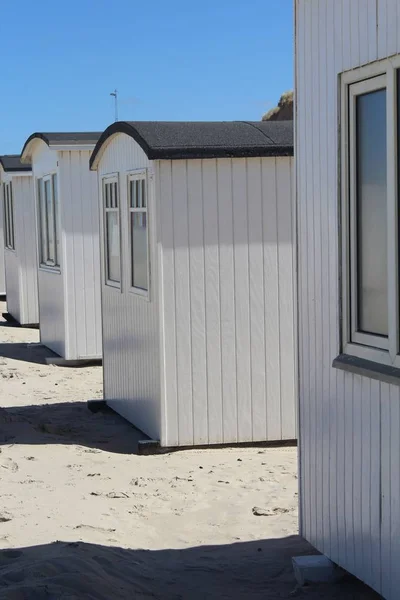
x: 198, y: 279
x: 19, y: 241
x: 68, y: 243
x: 347, y: 132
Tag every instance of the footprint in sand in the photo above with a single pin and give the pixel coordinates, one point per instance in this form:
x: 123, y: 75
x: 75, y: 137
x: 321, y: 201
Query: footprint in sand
x: 10, y: 465
x: 7, y: 417
x: 5, y: 517
x: 112, y: 495
x: 268, y: 512
x: 92, y: 528
x: 10, y: 554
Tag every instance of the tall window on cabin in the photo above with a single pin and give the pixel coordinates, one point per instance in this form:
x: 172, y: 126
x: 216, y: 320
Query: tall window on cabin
x: 371, y: 212
x: 138, y: 224
x: 112, y: 246
x: 49, y: 222
x: 8, y: 199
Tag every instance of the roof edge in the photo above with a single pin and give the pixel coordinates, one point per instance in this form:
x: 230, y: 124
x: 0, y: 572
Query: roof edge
x: 178, y: 153
x: 117, y: 127
x: 26, y: 155
x: 22, y: 168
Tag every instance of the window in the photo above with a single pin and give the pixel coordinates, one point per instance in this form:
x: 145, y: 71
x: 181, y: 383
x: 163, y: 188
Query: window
x: 112, y: 247
x: 370, y: 209
x: 139, y: 271
x: 49, y: 226
x: 8, y: 212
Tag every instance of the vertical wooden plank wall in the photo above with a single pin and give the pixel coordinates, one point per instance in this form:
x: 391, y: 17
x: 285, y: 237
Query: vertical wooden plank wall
x: 2, y: 265
x: 80, y: 223
x: 50, y: 283
x: 349, y: 425
x: 131, y: 339
x: 25, y: 240
x: 227, y: 275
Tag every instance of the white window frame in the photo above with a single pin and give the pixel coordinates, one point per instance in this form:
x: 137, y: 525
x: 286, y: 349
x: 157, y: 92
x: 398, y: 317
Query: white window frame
x: 47, y: 262
x: 9, y: 216
x: 138, y: 175
x: 110, y: 179
x: 378, y: 75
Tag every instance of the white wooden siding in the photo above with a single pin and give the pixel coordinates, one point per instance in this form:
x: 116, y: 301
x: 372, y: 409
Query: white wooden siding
x: 21, y: 264
x: 2, y: 266
x: 50, y: 282
x: 349, y: 425
x: 81, y: 255
x: 131, y: 359
x: 12, y: 275
x: 226, y: 231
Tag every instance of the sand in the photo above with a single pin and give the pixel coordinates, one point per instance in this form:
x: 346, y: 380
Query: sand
x: 83, y: 516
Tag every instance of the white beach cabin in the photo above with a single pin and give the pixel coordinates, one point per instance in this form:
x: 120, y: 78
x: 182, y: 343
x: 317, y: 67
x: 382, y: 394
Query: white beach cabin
x: 68, y: 243
x: 198, y: 279
x: 19, y: 241
x: 347, y: 152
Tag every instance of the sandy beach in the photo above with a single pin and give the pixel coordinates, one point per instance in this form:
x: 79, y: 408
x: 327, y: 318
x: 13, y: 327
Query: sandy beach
x: 83, y: 516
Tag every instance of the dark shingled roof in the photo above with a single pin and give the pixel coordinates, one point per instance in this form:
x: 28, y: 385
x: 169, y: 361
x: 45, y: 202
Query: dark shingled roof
x: 12, y: 163
x: 74, y: 138
x: 197, y: 139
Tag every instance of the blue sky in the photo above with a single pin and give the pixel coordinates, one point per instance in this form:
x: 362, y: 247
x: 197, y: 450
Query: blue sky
x: 170, y: 60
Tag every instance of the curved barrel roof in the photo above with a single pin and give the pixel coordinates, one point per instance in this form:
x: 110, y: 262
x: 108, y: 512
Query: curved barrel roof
x: 198, y: 139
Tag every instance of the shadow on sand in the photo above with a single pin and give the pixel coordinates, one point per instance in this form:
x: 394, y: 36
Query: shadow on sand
x: 32, y: 353
x: 68, y: 423
x: 242, y: 571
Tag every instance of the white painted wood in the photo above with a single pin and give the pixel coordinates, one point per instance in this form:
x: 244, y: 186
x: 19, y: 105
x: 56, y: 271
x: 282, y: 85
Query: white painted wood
x: 20, y: 263
x: 81, y: 248
x: 2, y: 261
x: 209, y: 358
x: 131, y: 337
x: 198, y: 289
x: 50, y: 283
x: 226, y: 263
x: 227, y: 301
x: 69, y: 297
x: 213, y: 317
x: 349, y: 425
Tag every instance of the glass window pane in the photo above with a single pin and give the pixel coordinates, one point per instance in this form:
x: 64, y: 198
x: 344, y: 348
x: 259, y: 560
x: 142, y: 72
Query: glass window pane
x: 56, y: 220
x: 113, y: 247
x: 115, y: 205
x: 42, y: 222
x: 112, y: 196
x: 5, y: 213
x: 372, y: 213
x: 139, y: 250
x: 132, y: 194
x: 50, y: 220
x: 6, y: 217
x: 11, y: 216
x: 144, y: 203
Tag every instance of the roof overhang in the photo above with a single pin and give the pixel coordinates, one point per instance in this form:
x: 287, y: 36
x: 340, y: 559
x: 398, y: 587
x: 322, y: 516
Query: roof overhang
x: 32, y: 141
x: 190, y: 150
x: 8, y: 166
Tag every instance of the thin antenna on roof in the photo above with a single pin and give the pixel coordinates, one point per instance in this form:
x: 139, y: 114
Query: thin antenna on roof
x: 115, y: 94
